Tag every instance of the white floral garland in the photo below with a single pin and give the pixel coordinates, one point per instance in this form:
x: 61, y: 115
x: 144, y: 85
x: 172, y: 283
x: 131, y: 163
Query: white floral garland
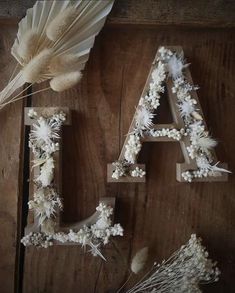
x: 46, y: 203
x: 169, y: 64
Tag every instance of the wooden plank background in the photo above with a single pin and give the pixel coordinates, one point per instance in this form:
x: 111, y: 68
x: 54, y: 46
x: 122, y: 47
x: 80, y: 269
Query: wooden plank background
x: 161, y: 213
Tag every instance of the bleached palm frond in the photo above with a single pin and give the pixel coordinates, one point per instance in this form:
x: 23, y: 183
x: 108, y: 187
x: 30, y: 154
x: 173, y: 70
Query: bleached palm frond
x: 53, y: 41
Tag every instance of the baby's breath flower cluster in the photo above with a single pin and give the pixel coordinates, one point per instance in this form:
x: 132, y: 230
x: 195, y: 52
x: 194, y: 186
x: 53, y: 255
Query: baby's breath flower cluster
x: 133, y: 148
x: 202, y: 144
x: 45, y: 204
x: 143, y: 119
x: 44, y: 142
x: 138, y: 172
x: 170, y: 133
x: 39, y: 239
x: 94, y: 236
x: 183, y: 272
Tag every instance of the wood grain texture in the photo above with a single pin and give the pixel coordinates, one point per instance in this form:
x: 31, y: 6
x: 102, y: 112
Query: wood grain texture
x: 10, y: 150
x: 218, y: 13
x: 161, y: 213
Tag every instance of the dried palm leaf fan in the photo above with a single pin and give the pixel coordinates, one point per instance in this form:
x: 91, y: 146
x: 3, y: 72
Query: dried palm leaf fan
x: 53, y: 43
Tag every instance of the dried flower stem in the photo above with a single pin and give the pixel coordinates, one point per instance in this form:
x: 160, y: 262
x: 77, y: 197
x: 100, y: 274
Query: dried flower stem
x: 124, y: 284
x: 19, y: 98
x: 183, y: 272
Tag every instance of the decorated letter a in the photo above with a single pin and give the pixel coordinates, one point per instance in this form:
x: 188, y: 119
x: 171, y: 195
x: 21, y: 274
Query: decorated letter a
x: 169, y: 73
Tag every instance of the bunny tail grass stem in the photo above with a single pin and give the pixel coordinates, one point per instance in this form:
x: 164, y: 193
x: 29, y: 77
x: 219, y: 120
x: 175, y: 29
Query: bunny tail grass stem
x: 19, y: 98
x: 13, y: 72
x: 124, y: 284
x: 14, y: 98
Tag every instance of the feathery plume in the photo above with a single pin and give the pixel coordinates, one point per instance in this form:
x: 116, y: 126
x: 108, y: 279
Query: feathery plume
x: 27, y: 45
x: 175, y: 66
x: 34, y: 70
x: 139, y: 260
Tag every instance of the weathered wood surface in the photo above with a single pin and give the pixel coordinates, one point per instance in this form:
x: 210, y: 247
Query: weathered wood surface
x: 10, y: 179
x: 184, y: 12
x: 161, y: 213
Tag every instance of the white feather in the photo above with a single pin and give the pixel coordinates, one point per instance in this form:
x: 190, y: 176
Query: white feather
x: 186, y: 108
x: 143, y: 119
x: 176, y: 65
x: 206, y: 143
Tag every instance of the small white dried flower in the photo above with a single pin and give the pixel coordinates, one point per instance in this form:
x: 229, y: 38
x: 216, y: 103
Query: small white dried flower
x: 32, y: 114
x: 186, y: 108
x: 137, y: 172
x: 143, y: 119
x: 133, y: 148
x: 38, y: 239
x: 46, y: 172
x: 120, y: 169
x: 176, y: 65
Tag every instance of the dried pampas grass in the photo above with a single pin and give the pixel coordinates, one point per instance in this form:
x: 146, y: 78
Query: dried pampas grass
x: 26, y: 48
x: 139, y: 260
x: 65, y: 81
x: 34, y: 70
x: 60, y: 23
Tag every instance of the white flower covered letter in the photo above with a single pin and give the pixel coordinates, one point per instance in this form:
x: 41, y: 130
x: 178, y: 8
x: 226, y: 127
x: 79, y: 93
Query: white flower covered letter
x: 169, y: 73
x: 46, y: 204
